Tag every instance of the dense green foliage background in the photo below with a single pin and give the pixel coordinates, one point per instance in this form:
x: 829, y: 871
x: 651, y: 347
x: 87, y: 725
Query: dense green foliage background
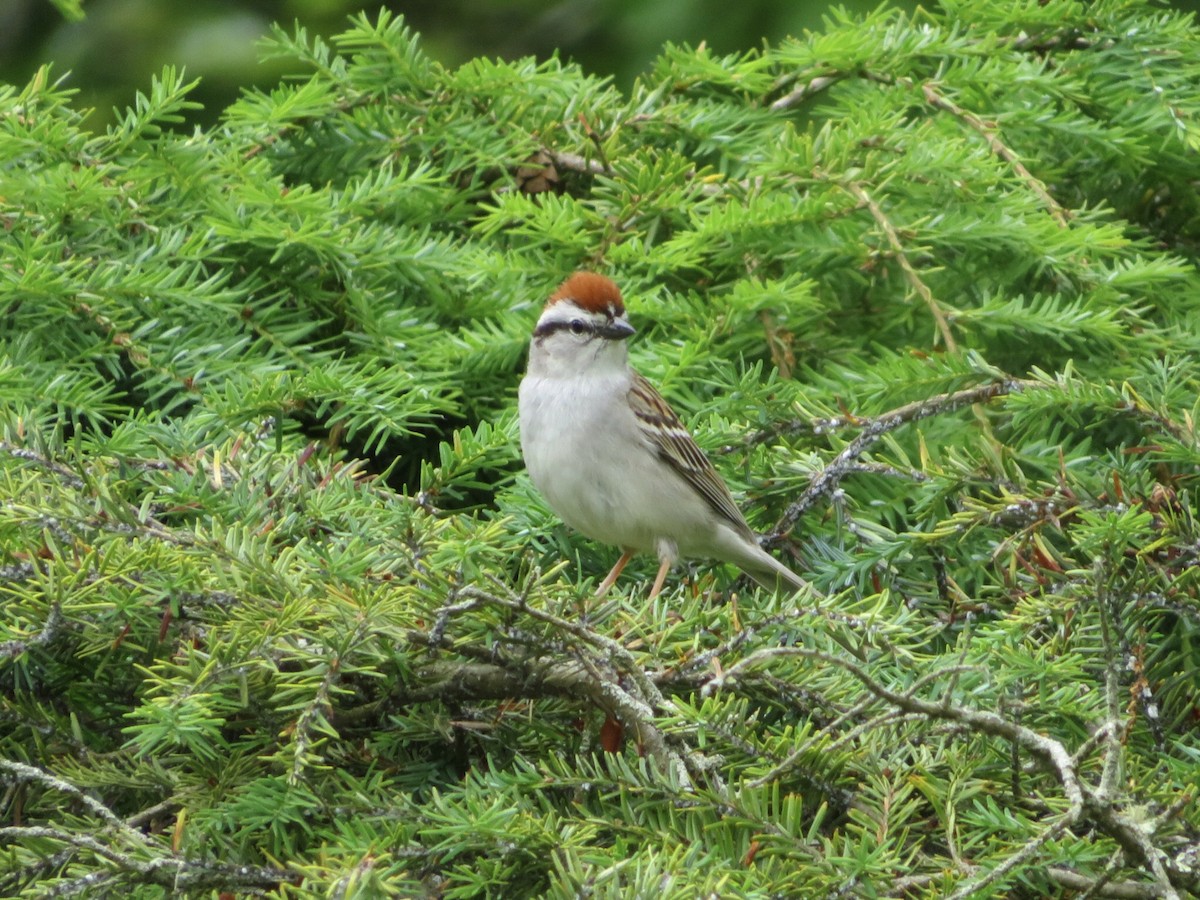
x: 282, y: 613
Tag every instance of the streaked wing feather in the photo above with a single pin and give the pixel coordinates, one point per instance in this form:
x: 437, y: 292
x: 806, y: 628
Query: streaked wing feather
x: 676, y: 446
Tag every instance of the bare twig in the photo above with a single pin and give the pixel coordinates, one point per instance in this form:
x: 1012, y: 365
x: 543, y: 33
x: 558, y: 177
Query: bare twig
x: 148, y: 814
x: 147, y: 861
x: 1050, y: 752
x: 803, y: 92
x: 1118, y: 890
x: 574, y: 162
x: 1028, y: 850
x: 875, y: 428
x: 54, y: 621
x: 1110, y: 777
x: 95, y: 807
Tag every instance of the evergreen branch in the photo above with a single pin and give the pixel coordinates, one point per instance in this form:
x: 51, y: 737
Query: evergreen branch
x: 922, y: 290
x: 611, y: 649
x: 1066, y: 39
x: 872, y: 430
x: 939, y: 101
x: 79, y: 841
x: 1049, y: 751
x: 883, y: 469
x: 68, y: 477
x: 588, y: 678
x: 171, y: 872
x: 1138, y: 408
x: 357, y: 253
x: 872, y: 725
x: 46, y: 634
x: 168, y: 871
x: 697, y: 670
x: 532, y: 678
x: 819, y: 740
x: 313, y: 716
x: 301, y: 122
x: 31, y: 872
x: 997, y: 146
x: 26, y: 772
x: 1084, y: 803
x: 1026, y: 853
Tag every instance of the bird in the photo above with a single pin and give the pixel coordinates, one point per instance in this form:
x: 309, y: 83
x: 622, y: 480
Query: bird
x: 610, y: 456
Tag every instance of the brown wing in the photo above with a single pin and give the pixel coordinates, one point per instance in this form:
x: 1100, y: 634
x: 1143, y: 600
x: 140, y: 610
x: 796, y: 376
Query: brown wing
x: 675, y: 446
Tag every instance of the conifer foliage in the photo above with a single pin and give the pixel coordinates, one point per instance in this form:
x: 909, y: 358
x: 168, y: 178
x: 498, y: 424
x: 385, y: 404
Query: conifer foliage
x: 280, y: 612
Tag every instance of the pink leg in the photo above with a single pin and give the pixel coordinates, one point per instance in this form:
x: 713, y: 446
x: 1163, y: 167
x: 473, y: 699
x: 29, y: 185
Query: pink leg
x: 663, y: 568
x: 613, y: 575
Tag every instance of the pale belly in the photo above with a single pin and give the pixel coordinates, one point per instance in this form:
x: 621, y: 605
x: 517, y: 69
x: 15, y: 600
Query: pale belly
x: 581, y: 454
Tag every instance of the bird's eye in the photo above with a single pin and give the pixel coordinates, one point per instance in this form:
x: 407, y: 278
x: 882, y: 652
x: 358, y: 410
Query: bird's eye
x: 577, y: 326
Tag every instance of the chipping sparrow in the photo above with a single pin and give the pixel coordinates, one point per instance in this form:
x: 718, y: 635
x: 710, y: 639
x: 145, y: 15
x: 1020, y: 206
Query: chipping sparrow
x: 611, y: 457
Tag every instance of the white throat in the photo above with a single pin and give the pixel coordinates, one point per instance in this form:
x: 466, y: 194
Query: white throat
x: 560, y: 356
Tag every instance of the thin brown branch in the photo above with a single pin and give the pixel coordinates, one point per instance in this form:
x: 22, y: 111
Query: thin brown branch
x: 910, y: 273
x: 988, y: 133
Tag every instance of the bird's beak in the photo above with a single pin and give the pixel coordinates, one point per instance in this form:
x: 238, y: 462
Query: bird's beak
x: 616, y: 330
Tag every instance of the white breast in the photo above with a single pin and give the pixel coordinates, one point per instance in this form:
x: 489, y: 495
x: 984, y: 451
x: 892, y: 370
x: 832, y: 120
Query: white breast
x: 588, y: 457
x: 566, y: 428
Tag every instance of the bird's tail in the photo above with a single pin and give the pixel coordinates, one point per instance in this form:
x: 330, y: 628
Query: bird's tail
x: 773, y: 575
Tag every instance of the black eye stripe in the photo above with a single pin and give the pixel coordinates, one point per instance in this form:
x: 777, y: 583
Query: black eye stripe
x: 577, y: 325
